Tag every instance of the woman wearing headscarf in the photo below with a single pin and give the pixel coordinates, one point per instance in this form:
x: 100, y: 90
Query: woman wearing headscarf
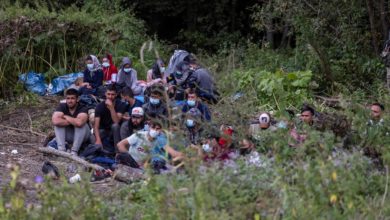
x: 127, y: 76
x: 109, y: 68
x: 93, y: 75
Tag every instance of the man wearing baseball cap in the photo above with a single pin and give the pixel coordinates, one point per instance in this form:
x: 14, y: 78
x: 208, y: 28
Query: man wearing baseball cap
x: 136, y: 123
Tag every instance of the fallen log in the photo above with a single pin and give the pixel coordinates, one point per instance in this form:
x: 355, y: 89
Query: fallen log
x: 77, y: 159
x: 128, y: 174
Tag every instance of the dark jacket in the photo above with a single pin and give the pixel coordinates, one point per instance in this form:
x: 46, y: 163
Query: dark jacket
x: 95, y: 78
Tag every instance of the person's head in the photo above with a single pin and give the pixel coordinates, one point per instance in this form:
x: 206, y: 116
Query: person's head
x: 307, y: 114
x: 156, y: 95
x: 127, y: 94
x: 126, y: 64
x: 111, y: 92
x: 71, y: 96
x: 89, y: 62
x: 155, y: 128
x: 193, y: 118
x: 191, y: 61
x: 182, y: 68
x: 137, y: 116
x: 105, y: 62
x: 376, y: 110
x: 211, y: 140
x: 264, y: 120
x: 192, y: 97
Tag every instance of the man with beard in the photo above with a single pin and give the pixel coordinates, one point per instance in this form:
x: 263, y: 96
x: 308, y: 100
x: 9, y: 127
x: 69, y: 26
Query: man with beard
x: 70, y: 123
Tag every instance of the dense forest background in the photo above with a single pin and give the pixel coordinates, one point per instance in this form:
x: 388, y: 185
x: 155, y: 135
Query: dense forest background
x: 339, y: 41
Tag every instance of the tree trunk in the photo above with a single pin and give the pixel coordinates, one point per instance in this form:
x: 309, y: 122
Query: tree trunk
x: 324, y: 62
x: 270, y: 32
x: 383, y: 6
x: 371, y: 16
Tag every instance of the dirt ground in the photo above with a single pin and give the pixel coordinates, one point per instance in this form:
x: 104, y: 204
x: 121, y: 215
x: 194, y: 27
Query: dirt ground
x: 24, y: 128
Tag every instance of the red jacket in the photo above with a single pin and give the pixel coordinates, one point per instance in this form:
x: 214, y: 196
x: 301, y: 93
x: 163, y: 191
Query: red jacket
x: 109, y: 70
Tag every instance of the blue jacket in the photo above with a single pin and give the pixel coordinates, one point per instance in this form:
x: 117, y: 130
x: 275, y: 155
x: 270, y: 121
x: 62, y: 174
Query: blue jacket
x: 202, y: 108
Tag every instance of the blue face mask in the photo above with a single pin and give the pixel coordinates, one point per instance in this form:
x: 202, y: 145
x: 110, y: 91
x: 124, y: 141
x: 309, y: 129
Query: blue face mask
x: 127, y: 70
x: 191, y: 103
x: 190, y: 123
x: 90, y: 66
x: 154, y: 101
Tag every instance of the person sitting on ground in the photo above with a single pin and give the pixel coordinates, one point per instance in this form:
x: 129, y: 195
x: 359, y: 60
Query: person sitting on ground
x: 135, y: 150
x: 205, y: 83
x: 299, y: 132
x: 135, y: 123
x: 156, y: 107
x: 192, y: 122
x: 93, y: 76
x: 307, y: 115
x: 211, y: 149
x: 108, y: 115
x: 156, y: 74
x: 109, y: 69
x: 130, y: 101
x: 194, y: 102
x: 70, y: 123
x: 376, y: 114
x: 259, y: 132
x: 127, y: 76
x: 181, y: 80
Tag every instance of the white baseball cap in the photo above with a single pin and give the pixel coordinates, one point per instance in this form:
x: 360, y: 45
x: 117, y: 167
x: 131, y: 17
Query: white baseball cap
x: 137, y: 111
x: 264, y: 118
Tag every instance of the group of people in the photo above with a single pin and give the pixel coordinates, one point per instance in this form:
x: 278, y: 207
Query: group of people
x: 142, y: 124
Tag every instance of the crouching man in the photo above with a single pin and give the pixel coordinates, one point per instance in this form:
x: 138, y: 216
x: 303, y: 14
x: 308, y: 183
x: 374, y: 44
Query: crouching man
x: 70, y: 123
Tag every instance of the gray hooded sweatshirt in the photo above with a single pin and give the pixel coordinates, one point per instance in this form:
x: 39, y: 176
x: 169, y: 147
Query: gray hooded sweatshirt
x: 129, y: 79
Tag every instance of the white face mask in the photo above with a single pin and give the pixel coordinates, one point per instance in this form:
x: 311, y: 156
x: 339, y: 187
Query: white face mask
x: 127, y: 70
x: 206, y: 148
x: 162, y: 69
x: 106, y: 64
x: 153, y: 133
x: 90, y: 66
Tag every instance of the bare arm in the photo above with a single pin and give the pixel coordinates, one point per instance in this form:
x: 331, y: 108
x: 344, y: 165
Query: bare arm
x: 96, y: 131
x: 58, y: 119
x: 123, y: 146
x: 79, y: 121
x: 176, y: 155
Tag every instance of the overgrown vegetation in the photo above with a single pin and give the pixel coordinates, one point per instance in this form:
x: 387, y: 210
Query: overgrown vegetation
x: 326, y: 53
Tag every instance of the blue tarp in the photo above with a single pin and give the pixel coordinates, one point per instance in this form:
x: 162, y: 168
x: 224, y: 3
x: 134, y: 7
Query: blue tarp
x: 34, y: 82
x: 63, y: 82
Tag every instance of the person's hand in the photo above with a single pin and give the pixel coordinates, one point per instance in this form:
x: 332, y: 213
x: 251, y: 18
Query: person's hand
x: 66, y: 117
x: 85, y: 84
x: 98, y: 143
x: 109, y: 104
x: 89, y: 86
x: 126, y: 117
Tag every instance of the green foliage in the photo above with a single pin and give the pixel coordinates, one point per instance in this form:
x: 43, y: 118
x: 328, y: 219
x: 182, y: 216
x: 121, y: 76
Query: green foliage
x: 56, y: 42
x: 280, y: 88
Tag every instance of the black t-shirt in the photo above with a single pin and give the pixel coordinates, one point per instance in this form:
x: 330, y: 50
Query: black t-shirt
x: 104, y: 114
x: 64, y: 109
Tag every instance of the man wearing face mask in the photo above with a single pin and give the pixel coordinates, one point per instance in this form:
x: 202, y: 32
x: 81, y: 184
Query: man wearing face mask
x: 127, y: 76
x: 194, y: 102
x: 135, y: 150
x: 93, y: 76
x: 109, y: 69
x: 156, y: 107
x: 192, y: 123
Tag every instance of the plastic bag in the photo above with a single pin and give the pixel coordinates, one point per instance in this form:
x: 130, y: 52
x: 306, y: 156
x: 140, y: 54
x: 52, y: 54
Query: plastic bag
x: 63, y: 82
x: 34, y: 82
